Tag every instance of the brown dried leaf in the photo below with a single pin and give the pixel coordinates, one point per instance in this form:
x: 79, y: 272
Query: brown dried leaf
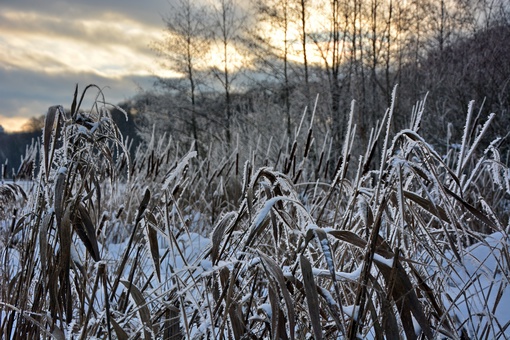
x: 404, y: 295
x: 86, y: 231
x: 59, y: 196
x: 143, y: 308
x: 152, y: 239
x: 275, y: 272
x: 312, y: 298
x: 217, y: 236
x: 43, y: 241
x: 477, y: 213
x: 48, y: 128
x: 143, y: 205
x: 427, y: 205
x: 121, y: 334
x: 75, y: 97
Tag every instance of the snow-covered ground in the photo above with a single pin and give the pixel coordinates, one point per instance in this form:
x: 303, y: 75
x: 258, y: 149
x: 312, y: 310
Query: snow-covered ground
x: 478, y: 290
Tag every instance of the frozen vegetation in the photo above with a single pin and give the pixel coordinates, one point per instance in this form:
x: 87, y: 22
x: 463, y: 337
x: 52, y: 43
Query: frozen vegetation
x: 169, y: 244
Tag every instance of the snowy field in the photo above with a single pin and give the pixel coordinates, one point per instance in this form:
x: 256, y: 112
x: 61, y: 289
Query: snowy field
x: 171, y: 245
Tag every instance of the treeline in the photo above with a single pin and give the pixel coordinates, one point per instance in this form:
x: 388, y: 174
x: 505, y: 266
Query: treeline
x: 13, y: 147
x: 247, y: 76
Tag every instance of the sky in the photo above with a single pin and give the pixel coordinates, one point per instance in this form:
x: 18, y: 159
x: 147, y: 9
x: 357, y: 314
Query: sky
x: 47, y: 47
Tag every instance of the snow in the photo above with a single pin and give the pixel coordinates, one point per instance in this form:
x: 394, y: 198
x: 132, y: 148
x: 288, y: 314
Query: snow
x: 477, y: 291
x: 382, y: 260
x: 265, y: 210
x: 474, y: 285
x: 266, y: 308
x: 352, y: 276
x: 352, y: 311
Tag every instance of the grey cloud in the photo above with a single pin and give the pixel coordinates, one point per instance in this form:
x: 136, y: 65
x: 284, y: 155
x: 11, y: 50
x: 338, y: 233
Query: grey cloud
x: 28, y: 93
x: 69, y: 28
x: 149, y: 12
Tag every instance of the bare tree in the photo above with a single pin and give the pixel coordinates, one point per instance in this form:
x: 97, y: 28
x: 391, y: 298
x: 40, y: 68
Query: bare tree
x: 184, y: 52
x: 228, y: 26
x: 332, y: 44
x: 303, y: 16
x: 272, y: 40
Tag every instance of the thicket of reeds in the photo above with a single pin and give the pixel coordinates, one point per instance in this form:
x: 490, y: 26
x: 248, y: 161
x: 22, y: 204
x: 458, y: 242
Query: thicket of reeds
x: 287, y: 244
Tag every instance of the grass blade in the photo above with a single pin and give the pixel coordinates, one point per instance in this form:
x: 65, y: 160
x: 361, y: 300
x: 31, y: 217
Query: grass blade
x: 274, y: 271
x: 151, y: 236
x: 86, y: 231
x: 312, y: 298
x: 143, y: 309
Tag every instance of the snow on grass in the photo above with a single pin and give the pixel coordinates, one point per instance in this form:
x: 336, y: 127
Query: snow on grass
x: 478, y: 291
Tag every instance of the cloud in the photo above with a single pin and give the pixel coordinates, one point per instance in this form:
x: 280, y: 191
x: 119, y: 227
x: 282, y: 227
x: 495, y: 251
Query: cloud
x: 28, y: 93
x: 146, y: 12
x: 47, y: 47
x: 111, y: 45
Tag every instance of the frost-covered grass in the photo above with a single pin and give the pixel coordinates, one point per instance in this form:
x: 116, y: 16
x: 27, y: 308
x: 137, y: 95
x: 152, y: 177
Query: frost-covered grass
x: 170, y: 245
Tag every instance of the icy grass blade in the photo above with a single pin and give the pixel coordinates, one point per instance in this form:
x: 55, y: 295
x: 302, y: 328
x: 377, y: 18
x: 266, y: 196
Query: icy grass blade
x: 265, y: 210
x: 478, y: 139
x: 178, y: 169
x: 312, y: 298
x: 346, y: 276
x: 274, y: 271
x: 151, y: 237
x: 465, y: 136
x: 143, y: 308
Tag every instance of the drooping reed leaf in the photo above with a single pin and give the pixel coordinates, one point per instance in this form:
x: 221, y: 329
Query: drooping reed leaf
x: 85, y: 229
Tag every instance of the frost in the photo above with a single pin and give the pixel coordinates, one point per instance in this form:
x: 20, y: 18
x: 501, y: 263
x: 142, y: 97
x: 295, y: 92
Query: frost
x: 178, y: 169
x: 219, y: 266
x: 363, y: 210
x: 327, y: 254
x: 353, y: 276
x: 312, y: 227
x: 265, y: 210
x: 82, y: 130
x: 382, y: 260
x: 327, y: 295
x: 93, y: 127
